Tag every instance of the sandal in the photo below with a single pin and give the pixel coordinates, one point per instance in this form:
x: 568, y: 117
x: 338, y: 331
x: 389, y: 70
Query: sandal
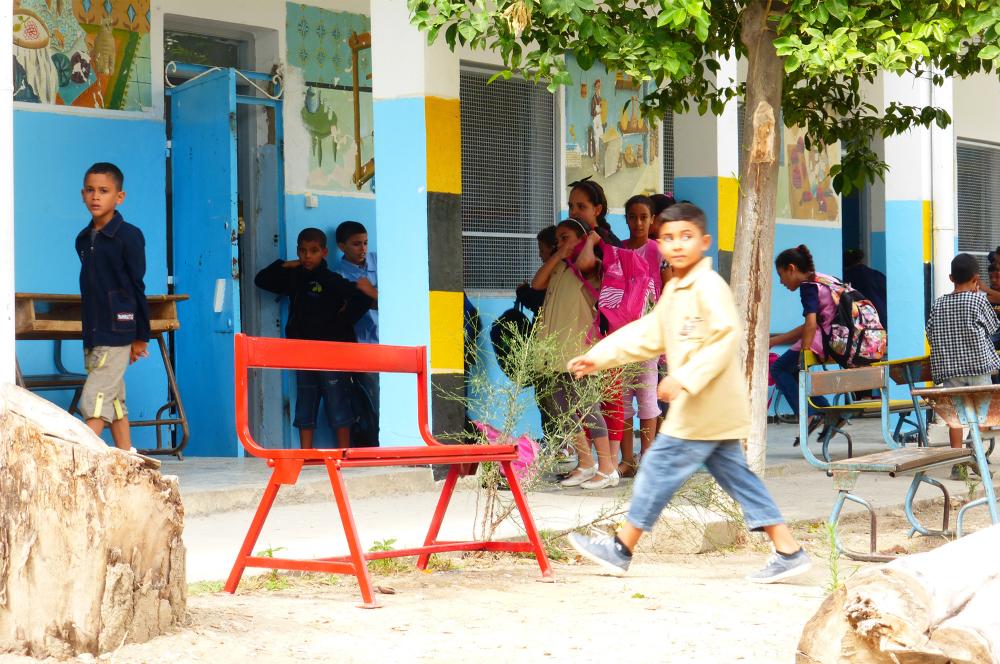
x: 601, y: 481
x: 627, y: 469
x: 578, y: 476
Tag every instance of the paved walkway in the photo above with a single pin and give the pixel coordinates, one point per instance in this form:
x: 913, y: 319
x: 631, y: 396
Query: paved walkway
x: 396, y: 504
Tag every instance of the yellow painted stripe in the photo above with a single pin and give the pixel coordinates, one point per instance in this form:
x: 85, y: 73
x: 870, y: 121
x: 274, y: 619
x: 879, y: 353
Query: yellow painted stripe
x: 443, y: 123
x: 729, y: 197
x: 928, y: 236
x: 447, y: 332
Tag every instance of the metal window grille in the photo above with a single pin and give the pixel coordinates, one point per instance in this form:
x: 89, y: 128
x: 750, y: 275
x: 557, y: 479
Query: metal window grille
x: 978, y: 178
x: 508, y: 177
x: 668, y: 153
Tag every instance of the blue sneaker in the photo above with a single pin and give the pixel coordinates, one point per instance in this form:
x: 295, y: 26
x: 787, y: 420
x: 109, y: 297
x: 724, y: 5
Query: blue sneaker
x: 781, y: 567
x: 601, y: 550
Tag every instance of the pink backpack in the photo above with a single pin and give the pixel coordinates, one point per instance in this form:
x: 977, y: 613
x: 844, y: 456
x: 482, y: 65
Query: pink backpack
x: 627, y: 288
x: 527, y: 450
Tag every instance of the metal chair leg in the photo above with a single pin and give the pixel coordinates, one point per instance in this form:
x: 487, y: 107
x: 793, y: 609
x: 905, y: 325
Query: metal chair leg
x: 915, y: 525
x: 872, y: 556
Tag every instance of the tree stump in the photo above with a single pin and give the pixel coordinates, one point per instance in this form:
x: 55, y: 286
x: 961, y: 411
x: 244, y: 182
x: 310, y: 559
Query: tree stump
x: 91, y: 554
x: 938, y: 606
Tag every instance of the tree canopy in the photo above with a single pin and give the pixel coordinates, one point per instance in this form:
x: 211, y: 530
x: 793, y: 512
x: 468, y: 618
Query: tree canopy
x: 829, y: 49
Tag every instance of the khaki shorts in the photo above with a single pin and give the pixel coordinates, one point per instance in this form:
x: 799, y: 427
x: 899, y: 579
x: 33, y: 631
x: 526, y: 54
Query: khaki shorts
x: 104, y: 392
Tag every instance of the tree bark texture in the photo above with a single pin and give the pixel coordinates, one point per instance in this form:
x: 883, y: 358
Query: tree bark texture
x: 939, y: 606
x: 754, y: 247
x: 91, y: 554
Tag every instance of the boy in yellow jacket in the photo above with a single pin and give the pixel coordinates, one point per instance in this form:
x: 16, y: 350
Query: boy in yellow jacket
x: 695, y: 323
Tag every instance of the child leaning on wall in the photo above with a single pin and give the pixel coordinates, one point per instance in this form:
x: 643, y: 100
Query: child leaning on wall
x: 115, y: 312
x: 323, y: 307
x: 696, y: 324
x: 358, y: 263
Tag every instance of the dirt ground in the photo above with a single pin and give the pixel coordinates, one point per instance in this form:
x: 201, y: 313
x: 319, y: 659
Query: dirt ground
x: 670, y: 608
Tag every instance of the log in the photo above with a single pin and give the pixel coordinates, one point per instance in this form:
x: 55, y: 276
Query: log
x: 938, y: 606
x: 91, y: 554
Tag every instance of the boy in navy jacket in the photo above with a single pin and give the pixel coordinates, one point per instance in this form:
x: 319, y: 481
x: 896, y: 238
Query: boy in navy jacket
x: 324, y: 307
x: 115, y: 313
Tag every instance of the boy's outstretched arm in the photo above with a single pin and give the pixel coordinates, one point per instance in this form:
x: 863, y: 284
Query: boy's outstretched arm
x: 639, y: 340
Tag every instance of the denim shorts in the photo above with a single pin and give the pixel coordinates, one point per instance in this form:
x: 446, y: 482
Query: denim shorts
x: 670, y: 462
x: 333, y: 387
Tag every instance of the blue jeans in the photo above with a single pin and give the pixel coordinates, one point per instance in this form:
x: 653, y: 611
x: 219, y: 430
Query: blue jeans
x: 670, y: 462
x: 333, y: 387
x: 785, y: 372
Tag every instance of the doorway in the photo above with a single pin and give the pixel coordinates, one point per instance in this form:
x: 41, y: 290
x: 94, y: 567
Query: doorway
x: 246, y: 195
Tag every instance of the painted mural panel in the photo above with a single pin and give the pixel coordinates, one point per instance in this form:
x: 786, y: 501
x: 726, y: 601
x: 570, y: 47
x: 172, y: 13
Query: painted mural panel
x: 84, y: 53
x: 607, y: 138
x: 325, y: 46
x: 805, y: 191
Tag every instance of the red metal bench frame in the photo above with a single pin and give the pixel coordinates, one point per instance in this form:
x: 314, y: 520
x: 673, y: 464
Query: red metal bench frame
x: 266, y: 353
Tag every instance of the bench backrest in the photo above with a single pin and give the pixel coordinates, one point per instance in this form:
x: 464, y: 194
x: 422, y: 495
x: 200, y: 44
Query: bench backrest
x: 270, y: 353
x: 842, y: 381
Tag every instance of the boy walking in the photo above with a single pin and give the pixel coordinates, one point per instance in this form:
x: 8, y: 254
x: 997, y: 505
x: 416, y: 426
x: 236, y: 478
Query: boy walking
x: 358, y: 263
x: 323, y: 307
x: 696, y: 324
x: 959, y: 330
x: 115, y: 312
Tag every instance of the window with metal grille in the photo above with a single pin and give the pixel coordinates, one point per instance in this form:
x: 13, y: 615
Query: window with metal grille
x: 978, y: 168
x: 668, y: 153
x: 508, y: 177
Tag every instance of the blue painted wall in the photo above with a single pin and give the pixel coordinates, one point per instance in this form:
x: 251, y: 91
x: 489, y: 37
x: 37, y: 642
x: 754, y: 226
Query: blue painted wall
x: 703, y: 192
x: 905, y: 277
x: 824, y: 244
x: 52, y: 151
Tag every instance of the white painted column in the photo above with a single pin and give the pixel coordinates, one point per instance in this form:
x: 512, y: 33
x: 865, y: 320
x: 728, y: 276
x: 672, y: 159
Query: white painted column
x: 6, y: 199
x: 944, y: 190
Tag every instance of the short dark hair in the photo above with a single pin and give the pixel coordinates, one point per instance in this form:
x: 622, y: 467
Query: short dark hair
x: 547, y: 236
x: 964, y: 268
x: 348, y: 229
x: 107, y: 168
x: 579, y: 228
x: 685, y: 212
x: 312, y: 235
x: 639, y: 199
x: 853, y: 257
x: 661, y: 202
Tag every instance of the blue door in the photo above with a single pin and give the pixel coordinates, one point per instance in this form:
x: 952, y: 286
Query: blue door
x: 206, y: 259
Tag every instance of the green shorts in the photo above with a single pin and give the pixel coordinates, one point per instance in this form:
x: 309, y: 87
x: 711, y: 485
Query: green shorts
x: 104, y: 392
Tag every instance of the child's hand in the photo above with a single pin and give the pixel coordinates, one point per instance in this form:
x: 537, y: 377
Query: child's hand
x: 593, y: 238
x: 668, y: 389
x: 366, y: 287
x: 581, y: 366
x: 138, y: 350
x: 564, y: 251
x: 289, y: 265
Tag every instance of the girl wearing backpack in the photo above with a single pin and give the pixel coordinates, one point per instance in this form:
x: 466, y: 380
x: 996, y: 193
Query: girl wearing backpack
x: 589, y: 204
x: 568, y: 316
x: 797, y: 272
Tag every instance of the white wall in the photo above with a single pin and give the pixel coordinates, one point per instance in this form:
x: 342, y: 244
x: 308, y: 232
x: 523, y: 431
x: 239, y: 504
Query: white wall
x: 977, y: 99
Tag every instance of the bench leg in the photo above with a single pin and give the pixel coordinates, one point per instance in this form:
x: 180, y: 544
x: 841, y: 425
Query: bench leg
x: 529, y: 523
x: 446, y: 493
x: 872, y: 556
x: 351, y: 533
x: 835, y: 426
x: 911, y: 493
x: 266, y: 501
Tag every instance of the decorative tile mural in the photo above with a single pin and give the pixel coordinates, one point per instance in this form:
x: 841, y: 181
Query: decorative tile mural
x: 85, y: 53
x: 319, y: 44
x: 607, y: 138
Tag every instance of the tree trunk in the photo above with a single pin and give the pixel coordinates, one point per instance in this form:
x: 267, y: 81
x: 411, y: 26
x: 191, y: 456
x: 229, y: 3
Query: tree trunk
x: 91, y: 553
x: 754, y: 248
x: 938, y: 606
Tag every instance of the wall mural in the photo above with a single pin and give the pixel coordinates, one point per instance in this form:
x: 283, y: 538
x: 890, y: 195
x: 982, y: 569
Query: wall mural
x: 84, y: 53
x: 606, y: 137
x: 320, y: 44
x: 805, y: 191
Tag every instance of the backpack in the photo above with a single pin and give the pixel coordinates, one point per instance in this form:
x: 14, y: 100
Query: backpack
x: 511, y: 322
x: 856, y: 336
x: 627, y: 290
x: 525, y: 466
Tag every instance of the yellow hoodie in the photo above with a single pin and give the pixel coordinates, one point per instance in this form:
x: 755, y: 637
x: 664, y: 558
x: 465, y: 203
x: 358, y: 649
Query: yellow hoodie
x: 696, y: 325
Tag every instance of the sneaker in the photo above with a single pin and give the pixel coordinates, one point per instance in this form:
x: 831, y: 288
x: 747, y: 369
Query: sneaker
x: 601, y: 481
x: 578, y: 476
x: 601, y: 550
x: 781, y: 567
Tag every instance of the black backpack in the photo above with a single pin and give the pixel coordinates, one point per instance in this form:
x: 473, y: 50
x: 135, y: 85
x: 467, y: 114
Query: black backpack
x: 512, y: 321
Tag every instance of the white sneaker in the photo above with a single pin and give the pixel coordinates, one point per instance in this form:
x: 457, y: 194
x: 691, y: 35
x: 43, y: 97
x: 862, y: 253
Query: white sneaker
x: 579, y: 476
x: 602, y: 481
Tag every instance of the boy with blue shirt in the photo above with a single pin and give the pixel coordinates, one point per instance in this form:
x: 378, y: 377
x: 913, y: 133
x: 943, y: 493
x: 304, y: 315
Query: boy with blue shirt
x: 358, y: 263
x: 115, y: 312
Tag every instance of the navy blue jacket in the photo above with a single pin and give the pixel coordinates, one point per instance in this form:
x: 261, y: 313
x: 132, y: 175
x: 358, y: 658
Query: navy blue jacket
x: 113, y: 264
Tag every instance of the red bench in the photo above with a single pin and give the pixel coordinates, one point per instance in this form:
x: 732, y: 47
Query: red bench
x: 255, y: 352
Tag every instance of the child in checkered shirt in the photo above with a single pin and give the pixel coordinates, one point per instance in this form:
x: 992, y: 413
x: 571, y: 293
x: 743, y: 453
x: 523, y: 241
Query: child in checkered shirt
x: 959, y: 331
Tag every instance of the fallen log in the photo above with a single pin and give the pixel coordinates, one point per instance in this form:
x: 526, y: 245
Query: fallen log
x: 937, y: 606
x: 91, y: 554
